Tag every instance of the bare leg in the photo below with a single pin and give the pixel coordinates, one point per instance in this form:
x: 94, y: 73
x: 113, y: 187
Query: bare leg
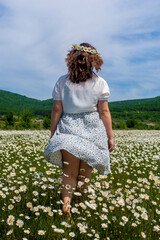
x: 69, y: 179
x: 84, y: 177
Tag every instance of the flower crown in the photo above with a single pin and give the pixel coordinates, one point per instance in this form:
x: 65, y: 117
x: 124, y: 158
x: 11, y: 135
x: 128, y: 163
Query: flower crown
x: 85, y: 49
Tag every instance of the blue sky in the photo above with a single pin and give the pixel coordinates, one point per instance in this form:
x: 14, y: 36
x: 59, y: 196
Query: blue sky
x: 36, y: 35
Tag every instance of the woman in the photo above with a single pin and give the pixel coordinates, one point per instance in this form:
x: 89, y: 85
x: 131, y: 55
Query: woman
x: 83, y: 137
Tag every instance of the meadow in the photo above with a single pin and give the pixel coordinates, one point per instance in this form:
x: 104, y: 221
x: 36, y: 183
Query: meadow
x: 124, y: 205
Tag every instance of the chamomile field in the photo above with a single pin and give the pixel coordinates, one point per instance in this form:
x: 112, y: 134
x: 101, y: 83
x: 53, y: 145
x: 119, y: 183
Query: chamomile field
x: 125, y: 205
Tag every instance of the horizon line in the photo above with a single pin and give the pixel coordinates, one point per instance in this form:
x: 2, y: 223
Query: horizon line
x: 52, y: 98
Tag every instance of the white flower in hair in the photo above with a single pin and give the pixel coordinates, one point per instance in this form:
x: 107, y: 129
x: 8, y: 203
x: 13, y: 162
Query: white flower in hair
x: 85, y: 49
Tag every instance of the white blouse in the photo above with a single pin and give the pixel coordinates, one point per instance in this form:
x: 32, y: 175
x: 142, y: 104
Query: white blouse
x: 81, y: 97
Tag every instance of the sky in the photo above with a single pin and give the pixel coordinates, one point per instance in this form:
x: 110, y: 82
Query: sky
x: 35, y: 37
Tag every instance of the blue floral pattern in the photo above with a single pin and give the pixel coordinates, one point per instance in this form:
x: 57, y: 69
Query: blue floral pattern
x: 83, y: 135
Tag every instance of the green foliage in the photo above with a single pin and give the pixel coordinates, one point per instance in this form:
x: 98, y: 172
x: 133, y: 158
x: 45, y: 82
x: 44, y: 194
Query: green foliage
x: 131, y: 123
x: 47, y: 122
x: 9, y: 119
x: 25, y: 119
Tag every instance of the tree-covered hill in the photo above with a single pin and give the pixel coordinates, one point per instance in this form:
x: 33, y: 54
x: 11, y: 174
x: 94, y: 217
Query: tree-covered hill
x: 147, y: 109
x: 140, y: 109
x: 17, y: 103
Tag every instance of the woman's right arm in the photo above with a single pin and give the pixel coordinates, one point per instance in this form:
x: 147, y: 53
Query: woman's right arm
x: 105, y: 116
x: 55, y: 115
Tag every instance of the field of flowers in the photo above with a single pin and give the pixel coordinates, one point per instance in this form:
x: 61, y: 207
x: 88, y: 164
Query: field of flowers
x: 125, y: 205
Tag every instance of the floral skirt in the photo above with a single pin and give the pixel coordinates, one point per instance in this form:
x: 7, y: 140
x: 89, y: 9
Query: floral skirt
x: 84, y: 136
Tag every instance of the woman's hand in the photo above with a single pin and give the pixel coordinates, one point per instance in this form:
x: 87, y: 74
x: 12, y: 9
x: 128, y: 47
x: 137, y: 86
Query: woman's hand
x: 111, y: 144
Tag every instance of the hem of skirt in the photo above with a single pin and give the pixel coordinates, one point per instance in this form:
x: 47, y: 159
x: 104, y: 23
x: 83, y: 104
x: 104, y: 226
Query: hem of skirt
x: 105, y: 172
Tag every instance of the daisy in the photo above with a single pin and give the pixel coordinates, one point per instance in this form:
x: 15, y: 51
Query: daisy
x: 114, y: 201
x: 19, y: 223
x: 9, y: 232
x: 82, y: 230
x: 143, y: 209
x: 47, y: 209
x: 144, y: 216
x: 97, y: 184
x: 104, y: 209
x: 80, y: 183
x: 145, y: 196
x: 136, y: 214
x: 139, y: 208
x: 50, y: 214
x: 67, y: 186
x: 10, y: 207
x: 77, y: 193
x: 104, y: 194
x: 131, y: 197
x: 134, y: 224
x: 103, y: 216
x: 60, y: 179
x: 23, y: 188
x: 97, y: 235
x: 10, y: 221
x: 44, y: 179
x: 32, y: 169
x: 156, y: 228
x: 87, y: 180
x: 104, y: 225
x: 72, y: 234
x: 11, y: 217
x: 79, y: 225
x: 121, y: 223
x: 53, y: 226
x: 100, y: 199
x: 35, y: 193
x: 121, y: 201
x: 129, y: 181
x: 111, y: 207
x: 74, y: 210
x: 29, y: 204
x: 125, y: 219
x: 41, y: 232
x: 143, y: 234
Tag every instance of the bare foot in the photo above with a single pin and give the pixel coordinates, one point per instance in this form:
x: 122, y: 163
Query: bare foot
x: 66, y: 208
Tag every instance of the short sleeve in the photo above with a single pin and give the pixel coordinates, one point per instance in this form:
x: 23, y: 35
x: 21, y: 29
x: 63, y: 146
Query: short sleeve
x: 104, y: 92
x: 56, y: 94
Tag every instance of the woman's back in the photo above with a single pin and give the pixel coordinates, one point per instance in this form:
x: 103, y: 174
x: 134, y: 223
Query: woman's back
x: 80, y: 97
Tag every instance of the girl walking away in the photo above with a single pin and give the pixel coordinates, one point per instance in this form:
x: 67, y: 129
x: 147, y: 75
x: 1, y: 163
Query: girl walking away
x: 82, y: 138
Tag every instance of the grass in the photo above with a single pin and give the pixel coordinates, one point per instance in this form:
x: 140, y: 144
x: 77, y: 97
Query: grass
x: 125, y: 205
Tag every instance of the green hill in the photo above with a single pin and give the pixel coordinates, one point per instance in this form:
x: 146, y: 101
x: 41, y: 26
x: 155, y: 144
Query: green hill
x: 17, y: 103
x: 147, y: 109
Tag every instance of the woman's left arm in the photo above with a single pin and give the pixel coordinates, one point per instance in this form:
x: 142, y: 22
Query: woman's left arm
x: 55, y: 115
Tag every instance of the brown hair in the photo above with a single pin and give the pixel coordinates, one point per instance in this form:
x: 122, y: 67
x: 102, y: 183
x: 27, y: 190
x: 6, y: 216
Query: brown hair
x: 80, y: 64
